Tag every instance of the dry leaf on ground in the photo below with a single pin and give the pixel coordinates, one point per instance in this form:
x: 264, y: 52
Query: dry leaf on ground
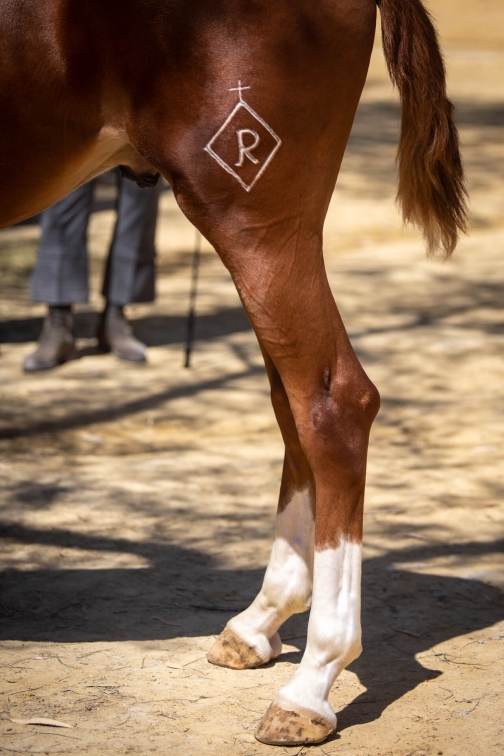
x: 41, y: 721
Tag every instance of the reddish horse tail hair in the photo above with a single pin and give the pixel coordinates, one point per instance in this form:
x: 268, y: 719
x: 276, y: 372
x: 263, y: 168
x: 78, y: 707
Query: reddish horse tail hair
x: 431, y: 189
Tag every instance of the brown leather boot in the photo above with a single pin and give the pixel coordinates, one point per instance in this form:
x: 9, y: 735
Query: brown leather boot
x: 56, y: 343
x: 114, y: 335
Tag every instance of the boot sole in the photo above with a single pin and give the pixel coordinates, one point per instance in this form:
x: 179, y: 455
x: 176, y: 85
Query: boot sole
x: 51, y: 365
x: 105, y: 348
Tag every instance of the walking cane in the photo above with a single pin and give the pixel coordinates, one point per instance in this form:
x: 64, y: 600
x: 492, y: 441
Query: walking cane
x: 191, y: 316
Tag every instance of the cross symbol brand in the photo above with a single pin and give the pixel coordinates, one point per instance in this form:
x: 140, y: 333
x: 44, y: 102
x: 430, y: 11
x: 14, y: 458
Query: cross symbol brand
x: 244, y: 145
x: 239, y: 89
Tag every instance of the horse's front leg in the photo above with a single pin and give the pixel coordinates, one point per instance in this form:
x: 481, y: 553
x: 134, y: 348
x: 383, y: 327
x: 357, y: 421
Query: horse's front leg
x: 251, y: 638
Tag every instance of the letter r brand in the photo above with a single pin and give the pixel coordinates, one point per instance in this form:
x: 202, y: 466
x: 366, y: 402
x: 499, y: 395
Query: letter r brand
x: 256, y: 141
x: 246, y: 149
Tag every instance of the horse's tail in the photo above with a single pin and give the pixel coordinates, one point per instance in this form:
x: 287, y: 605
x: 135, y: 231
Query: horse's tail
x: 431, y: 189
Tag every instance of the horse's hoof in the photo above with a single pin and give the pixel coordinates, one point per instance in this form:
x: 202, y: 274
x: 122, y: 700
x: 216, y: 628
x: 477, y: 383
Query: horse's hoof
x: 229, y: 650
x: 282, y: 727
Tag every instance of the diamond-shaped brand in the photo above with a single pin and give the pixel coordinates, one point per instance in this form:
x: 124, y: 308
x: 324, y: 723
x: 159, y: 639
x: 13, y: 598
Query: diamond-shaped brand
x: 244, y: 145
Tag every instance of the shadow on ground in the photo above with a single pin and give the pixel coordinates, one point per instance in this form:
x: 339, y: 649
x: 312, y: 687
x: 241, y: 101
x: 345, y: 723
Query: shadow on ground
x: 75, y: 420
x: 375, y: 136
x: 153, y: 330
x: 463, y: 305
x: 404, y: 613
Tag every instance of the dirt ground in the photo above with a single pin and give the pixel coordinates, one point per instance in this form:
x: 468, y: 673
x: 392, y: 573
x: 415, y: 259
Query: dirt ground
x: 137, y: 503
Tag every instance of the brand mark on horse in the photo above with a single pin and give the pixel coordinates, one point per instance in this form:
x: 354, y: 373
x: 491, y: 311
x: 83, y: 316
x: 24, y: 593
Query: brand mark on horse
x: 244, y: 145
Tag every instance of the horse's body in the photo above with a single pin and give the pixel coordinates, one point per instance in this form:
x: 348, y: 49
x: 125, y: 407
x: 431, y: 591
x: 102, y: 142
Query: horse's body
x: 245, y: 106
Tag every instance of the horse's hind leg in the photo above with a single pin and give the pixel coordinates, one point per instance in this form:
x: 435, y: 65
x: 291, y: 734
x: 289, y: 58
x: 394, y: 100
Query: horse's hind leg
x: 251, y: 639
x: 333, y: 404
x: 305, y: 66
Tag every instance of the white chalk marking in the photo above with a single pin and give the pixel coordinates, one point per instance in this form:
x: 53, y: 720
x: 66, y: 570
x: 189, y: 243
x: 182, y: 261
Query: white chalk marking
x: 245, y: 150
x: 208, y: 148
x: 238, y: 89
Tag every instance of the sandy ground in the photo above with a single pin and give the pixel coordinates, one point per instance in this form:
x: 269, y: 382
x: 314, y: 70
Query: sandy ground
x: 137, y: 503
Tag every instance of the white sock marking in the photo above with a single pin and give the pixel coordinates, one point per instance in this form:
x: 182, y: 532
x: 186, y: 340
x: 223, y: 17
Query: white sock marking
x: 288, y: 580
x: 334, y: 631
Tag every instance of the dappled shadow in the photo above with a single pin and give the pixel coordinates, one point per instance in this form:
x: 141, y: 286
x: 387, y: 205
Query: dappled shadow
x: 462, y: 300
x: 465, y: 306
x: 78, y: 605
x: 406, y: 613
x: 183, y: 592
x: 20, y: 330
x: 107, y: 413
x: 379, y: 120
x: 159, y: 330
x: 375, y: 135
x: 153, y: 330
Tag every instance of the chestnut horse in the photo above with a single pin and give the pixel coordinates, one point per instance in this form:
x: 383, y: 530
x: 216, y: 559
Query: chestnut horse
x: 245, y: 106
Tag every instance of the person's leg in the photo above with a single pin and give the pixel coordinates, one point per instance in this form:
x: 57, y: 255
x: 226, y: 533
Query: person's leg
x: 60, y: 277
x: 130, y: 272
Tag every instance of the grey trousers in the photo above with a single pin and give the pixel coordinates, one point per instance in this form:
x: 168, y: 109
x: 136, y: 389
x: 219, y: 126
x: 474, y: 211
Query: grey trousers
x: 60, y: 276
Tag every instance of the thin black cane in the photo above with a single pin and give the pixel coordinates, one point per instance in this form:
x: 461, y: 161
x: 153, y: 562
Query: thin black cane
x: 191, y: 316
